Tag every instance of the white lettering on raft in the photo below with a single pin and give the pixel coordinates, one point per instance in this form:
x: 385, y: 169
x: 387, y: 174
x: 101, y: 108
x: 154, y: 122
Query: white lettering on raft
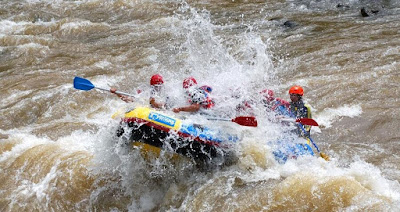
x: 162, y: 119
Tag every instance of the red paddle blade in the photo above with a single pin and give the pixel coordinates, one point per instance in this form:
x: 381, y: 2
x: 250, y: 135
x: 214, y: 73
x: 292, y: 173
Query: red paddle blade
x: 249, y: 121
x: 307, y: 121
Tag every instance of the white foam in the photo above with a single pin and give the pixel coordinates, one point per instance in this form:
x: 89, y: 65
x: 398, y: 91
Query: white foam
x: 75, y: 25
x: 367, y: 175
x: 40, y: 189
x: 32, y: 48
x: 371, y: 178
x: 103, y: 64
x: 8, y: 27
x: 329, y: 115
x: 391, y: 51
x: 14, y: 97
x: 25, y: 141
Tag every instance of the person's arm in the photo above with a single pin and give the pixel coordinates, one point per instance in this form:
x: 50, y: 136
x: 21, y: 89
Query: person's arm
x: 122, y: 97
x: 156, y: 104
x: 190, y: 108
x: 126, y: 98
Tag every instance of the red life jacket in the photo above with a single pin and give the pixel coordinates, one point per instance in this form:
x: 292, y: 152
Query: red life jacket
x: 207, y: 103
x: 210, y: 103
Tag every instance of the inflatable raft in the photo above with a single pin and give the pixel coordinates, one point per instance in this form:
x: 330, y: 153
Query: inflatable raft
x: 154, y: 130
x: 291, y: 149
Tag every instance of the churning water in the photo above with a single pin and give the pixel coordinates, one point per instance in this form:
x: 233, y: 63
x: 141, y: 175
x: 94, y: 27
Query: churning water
x: 58, y: 150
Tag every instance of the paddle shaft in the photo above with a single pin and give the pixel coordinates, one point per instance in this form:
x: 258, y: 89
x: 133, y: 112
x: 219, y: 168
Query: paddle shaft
x: 84, y: 84
x: 117, y: 92
x: 305, y: 133
x: 219, y: 119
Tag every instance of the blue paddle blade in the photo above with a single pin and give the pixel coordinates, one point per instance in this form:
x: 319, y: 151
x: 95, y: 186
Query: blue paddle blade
x: 82, y: 84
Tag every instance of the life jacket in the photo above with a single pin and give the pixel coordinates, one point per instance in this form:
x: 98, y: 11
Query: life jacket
x: 301, y: 110
x: 308, y: 127
x: 207, y: 103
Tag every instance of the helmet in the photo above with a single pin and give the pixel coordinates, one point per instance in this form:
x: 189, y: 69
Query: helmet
x: 189, y: 82
x: 296, y: 90
x: 156, y: 80
x: 206, y: 88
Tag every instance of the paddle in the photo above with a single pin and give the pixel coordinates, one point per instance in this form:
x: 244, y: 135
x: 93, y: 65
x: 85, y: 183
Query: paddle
x: 323, y: 155
x: 86, y: 85
x: 249, y: 121
x: 307, y: 121
x: 304, y: 121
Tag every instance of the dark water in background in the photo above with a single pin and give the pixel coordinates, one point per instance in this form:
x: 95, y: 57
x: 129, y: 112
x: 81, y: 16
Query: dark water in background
x: 57, y: 146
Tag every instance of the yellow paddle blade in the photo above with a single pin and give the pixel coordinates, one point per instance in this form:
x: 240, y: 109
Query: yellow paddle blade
x: 324, y: 156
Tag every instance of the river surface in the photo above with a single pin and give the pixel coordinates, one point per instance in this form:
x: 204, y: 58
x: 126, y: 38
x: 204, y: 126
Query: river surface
x: 58, y: 150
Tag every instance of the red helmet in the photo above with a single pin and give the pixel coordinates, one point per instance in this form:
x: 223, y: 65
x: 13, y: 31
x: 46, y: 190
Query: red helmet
x: 189, y: 82
x: 156, y: 80
x: 296, y: 90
